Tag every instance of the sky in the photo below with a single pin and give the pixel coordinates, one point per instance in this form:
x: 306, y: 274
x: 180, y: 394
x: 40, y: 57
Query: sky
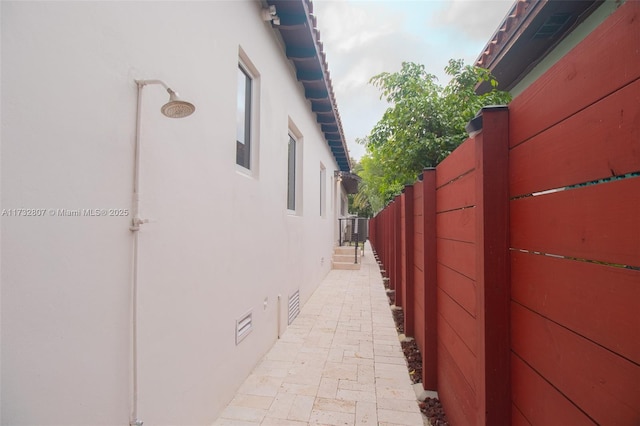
x: 363, y: 38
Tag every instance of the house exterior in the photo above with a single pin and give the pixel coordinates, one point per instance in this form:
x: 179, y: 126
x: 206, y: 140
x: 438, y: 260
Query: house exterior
x: 238, y: 202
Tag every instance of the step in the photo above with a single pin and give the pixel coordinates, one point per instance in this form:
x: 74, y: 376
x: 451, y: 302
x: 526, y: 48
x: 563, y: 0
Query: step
x: 346, y: 249
x: 344, y: 257
x: 346, y: 266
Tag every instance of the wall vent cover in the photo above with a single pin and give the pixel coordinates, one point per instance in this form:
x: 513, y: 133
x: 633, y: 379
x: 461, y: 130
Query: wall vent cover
x: 294, y: 306
x: 244, y: 325
x: 552, y: 26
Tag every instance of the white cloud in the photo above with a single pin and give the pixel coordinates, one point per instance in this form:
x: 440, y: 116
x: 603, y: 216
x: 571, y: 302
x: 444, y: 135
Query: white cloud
x: 477, y: 19
x: 347, y: 25
x: 364, y: 38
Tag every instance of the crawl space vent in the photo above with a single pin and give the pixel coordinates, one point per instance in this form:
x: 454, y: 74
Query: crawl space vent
x: 244, y: 325
x: 294, y: 306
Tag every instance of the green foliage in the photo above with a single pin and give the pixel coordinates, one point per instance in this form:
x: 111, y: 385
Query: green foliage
x: 373, y: 190
x: 423, y: 125
x: 359, y: 203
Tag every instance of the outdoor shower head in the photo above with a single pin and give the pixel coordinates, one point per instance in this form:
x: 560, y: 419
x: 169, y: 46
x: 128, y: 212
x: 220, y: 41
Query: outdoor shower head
x: 176, y: 107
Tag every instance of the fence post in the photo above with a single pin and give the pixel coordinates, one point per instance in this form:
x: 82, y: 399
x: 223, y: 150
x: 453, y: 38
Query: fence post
x: 407, y: 267
x: 387, y: 243
x: 492, y: 256
x: 430, y: 355
x: 397, y: 249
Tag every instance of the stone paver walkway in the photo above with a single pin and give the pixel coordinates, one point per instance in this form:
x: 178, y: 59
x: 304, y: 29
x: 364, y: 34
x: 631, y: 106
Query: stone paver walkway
x: 339, y: 363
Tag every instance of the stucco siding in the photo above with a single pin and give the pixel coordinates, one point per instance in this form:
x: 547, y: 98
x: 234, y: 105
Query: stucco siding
x: 219, y: 242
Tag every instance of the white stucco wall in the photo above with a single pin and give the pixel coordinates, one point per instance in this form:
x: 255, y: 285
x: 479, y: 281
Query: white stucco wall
x: 220, y: 242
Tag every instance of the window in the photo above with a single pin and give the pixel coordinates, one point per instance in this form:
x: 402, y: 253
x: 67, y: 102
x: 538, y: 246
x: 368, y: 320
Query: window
x: 323, y: 190
x: 243, y: 119
x: 291, y: 174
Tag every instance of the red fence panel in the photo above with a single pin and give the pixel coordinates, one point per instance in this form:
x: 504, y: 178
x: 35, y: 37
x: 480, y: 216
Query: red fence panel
x: 596, y: 222
x: 603, y: 299
x: 575, y: 263
x: 612, y: 128
x: 526, y: 308
x: 606, y: 60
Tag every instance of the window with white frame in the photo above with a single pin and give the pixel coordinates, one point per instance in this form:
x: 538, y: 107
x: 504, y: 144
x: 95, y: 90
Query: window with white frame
x: 291, y: 173
x: 243, y: 118
x: 344, y: 204
x: 323, y: 190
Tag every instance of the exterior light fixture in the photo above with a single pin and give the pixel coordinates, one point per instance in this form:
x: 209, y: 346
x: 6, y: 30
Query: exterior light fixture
x: 269, y: 14
x: 474, y: 126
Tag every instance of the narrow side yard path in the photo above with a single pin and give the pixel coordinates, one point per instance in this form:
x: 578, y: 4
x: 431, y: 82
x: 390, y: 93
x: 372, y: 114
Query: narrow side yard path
x: 339, y: 363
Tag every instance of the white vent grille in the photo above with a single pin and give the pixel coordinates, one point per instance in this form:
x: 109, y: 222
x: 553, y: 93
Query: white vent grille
x: 244, y: 325
x: 294, y: 306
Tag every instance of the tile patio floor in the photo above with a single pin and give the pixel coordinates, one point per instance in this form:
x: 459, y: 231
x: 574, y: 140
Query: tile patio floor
x: 339, y: 363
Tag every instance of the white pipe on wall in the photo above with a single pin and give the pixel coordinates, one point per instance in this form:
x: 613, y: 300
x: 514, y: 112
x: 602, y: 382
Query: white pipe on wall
x: 175, y: 108
x: 135, y: 227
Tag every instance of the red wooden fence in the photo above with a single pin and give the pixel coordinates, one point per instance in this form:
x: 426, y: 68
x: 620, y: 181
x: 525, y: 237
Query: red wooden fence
x: 517, y: 260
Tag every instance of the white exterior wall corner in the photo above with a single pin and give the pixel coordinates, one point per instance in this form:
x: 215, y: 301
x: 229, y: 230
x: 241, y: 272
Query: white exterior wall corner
x: 219, y: 242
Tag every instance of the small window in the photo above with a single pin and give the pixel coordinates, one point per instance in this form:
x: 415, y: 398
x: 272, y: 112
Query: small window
x: 291, y: 174
x: 243, y: 119
x: 323, y: 190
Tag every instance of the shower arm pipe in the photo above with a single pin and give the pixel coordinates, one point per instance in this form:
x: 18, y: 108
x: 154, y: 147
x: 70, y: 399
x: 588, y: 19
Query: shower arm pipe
x: 136, y: 221
x: 136, y: 170
x: 135, y: 227
x: 142, y: 83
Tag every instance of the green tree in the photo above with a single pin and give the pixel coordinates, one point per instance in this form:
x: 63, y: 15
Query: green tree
x: 423, y: 125
x: 368, y: 200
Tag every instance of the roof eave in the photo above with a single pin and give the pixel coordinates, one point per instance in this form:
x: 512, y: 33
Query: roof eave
x: 520, y: 42
x: 304, y: 49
